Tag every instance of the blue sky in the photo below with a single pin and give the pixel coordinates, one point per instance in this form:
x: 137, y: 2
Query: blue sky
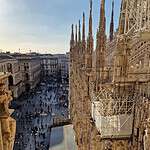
x: 44, y: 25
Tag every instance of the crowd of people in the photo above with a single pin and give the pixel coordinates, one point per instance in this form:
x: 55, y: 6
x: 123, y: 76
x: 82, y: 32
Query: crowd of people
x: 34, y: 117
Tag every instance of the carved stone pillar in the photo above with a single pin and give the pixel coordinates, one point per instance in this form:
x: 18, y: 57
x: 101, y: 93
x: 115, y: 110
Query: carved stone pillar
x: 7, y: 124
x: 147, y: 136
x: 1, y: 139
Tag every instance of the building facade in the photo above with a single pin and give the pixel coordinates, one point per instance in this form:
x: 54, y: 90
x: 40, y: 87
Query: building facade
x: 8, y: 64
x: 30, y: 67
x: 49, y: 64
x: 63, y: 64
x: 26, y: 70
x: 53, y: 65
x: 110, y: 85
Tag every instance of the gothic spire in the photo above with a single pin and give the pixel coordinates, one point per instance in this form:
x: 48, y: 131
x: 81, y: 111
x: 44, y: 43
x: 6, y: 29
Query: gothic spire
x: 72, y: 35
x: 72, y: 44
x: 83, y: 28
x: 111, y: 35
x: 89, y: 50
x: 90, y: 18
x: 121, y: 19
x: 102, y: 16
x: 76, y: 36
x: 83, y: 40
x: 79, y: 32
x: 100, y: 47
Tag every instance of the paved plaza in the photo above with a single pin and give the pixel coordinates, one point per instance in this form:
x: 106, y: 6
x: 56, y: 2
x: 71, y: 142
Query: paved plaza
x: 35, y: 117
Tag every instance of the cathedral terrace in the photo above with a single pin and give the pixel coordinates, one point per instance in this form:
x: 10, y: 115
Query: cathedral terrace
x: 91, y: 94
x: 110, y: 84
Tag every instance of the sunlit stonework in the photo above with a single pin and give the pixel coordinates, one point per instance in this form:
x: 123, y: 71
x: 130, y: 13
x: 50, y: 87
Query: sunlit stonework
x: 7, y: 124
x: 110, y: 86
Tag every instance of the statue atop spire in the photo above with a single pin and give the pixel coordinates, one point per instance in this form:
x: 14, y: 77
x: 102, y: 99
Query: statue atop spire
x: 111, y: 35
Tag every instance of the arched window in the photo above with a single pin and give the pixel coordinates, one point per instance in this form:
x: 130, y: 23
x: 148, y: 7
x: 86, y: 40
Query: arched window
x: 9, y: 67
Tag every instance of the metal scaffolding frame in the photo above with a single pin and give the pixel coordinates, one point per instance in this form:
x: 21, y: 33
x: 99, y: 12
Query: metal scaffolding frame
x: 113, y: 112
x: 112, y: 109
x: 135, y: 16
x: 111, y: 103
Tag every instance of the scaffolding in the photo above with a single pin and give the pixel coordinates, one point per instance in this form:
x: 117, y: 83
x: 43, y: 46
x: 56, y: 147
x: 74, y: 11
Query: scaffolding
x: 113, y: 107
x: 135, y: 16
x: 113, y: 112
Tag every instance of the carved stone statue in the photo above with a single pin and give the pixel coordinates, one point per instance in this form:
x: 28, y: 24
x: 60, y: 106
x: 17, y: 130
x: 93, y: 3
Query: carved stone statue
x: 7, y: 124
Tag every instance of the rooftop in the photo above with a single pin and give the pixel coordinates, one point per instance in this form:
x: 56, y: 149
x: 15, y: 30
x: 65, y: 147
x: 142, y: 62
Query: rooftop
x: 5, y: 56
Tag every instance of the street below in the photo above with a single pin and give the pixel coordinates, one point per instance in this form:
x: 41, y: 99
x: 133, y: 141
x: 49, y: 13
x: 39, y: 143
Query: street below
x: 36, y: 114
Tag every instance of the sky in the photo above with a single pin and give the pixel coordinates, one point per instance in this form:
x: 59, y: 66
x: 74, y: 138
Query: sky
x: 44, y: 25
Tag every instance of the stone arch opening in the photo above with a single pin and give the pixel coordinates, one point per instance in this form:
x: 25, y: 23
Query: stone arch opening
x: 27, y: 87
x: 10, y: 80
x: 27, y: 76
x: 9, y: 67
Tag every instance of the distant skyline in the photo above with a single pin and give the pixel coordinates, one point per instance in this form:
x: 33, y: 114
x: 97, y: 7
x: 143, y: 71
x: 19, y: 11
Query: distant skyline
x: 44, y: 25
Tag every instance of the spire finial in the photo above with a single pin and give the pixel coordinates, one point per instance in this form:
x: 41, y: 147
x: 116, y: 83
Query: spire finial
x: 91, y: 5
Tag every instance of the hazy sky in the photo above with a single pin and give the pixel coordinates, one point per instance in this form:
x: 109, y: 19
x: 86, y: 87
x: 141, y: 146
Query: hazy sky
x: 44, y: 25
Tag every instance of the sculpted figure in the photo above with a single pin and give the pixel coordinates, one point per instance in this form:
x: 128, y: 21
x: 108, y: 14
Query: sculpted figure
x: 5, y: 97
x: 7, y: 124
